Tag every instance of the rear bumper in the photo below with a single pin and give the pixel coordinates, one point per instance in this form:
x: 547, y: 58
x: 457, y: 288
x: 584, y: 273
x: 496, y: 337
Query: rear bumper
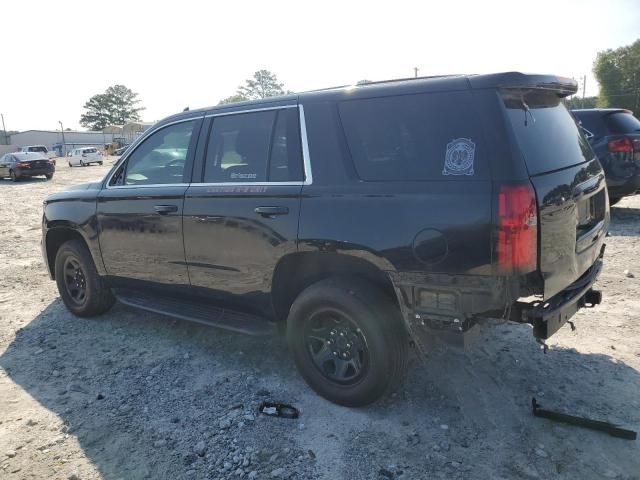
x: 630, y: 186
x: 32, y: 172
x: 547, y: 317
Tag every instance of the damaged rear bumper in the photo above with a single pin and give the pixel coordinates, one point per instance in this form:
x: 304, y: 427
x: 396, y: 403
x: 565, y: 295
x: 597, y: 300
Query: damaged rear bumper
x: 547, y: 317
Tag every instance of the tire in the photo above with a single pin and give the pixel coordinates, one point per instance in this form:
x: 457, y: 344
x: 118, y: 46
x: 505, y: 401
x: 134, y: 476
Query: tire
x: 97, y: 298
x: 614, y: 200
x: 49, y: 176
x: 70, y: 166
x: 13, y: 176
x: 81, y: 163
x: 100, y: 163
x: 374, y: 338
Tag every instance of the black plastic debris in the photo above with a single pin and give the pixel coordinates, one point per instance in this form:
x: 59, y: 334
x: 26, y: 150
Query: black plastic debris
x: 609, y: 428
x: 278, y: 410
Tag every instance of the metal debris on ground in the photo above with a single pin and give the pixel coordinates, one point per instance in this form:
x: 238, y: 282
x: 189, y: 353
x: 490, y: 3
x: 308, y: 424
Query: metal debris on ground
x: 278, y: 410
x: 609, y: 428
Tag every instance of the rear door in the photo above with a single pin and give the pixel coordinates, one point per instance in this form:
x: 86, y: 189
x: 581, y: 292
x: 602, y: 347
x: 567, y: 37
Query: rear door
x: 573, y: 210
x: 140, y: 209
x: 242, y: 216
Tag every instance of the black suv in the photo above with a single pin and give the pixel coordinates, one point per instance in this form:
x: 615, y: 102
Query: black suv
x: 614, y: 134
x: 361, y: 219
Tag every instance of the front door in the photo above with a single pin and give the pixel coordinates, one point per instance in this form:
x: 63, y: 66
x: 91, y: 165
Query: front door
x: 140, y: 209
x: 242, y: 217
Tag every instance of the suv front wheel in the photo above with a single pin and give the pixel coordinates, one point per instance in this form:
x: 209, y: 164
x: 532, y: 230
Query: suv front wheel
x: 348, y: 341
x: 82, y: 290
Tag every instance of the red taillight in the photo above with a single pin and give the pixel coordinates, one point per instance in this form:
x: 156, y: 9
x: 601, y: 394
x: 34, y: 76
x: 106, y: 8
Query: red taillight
x: 517, y: 229
x: 23, y: 164
x: 624, y: 144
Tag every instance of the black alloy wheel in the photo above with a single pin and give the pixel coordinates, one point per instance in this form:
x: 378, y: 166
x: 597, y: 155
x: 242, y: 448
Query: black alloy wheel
x: 337, y: 347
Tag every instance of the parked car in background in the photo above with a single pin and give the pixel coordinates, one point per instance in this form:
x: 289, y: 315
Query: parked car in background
x: 120, y: 151
x: 39, y: 149
x: 26, y: 164
x: 84, y: 156
x: 360, y: 218
x: 614, y: 135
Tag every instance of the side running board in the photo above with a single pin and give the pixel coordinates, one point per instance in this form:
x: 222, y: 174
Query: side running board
x: 198, y: 311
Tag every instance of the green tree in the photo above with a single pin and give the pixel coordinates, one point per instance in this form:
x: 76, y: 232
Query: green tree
x: 232, y: 99
x: 618, y: 73
x: 578, y: 102
x: 116, y: 106
x: 263, y: 84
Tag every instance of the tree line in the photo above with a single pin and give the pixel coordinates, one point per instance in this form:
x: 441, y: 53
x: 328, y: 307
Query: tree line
x: 618, y: 73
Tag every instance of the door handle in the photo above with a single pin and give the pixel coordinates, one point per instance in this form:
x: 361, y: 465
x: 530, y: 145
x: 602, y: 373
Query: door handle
x: 164, y: 209
x: 271, y: 211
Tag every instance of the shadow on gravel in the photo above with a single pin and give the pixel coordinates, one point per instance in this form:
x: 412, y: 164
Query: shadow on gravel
x: 140, y: 391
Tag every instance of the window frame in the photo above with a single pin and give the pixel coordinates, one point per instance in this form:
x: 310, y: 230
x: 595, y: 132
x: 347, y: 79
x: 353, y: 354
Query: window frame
x: 188, y: 161
x: 304, y: 149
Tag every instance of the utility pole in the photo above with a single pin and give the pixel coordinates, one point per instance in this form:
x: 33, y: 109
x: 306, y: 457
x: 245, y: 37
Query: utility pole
x: 584, y: 88
x: 415, y: 72
x: 64, y: 144
x: 4, y: 129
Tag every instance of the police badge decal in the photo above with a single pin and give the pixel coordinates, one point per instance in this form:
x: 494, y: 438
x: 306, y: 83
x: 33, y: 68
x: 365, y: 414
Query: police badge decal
x: 459, y: 157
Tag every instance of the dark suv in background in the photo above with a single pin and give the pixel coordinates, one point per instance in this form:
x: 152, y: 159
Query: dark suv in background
x: 359, y: 218
x: 614, y: 134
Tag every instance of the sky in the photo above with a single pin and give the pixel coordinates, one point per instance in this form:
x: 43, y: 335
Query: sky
x: 56, y: 55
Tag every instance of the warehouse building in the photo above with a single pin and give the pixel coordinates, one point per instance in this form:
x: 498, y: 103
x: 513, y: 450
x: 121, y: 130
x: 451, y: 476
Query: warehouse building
x: 53, y: 139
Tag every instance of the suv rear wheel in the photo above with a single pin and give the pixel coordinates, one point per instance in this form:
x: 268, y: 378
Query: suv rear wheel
x: 348, y: 341
x: 82, y: 290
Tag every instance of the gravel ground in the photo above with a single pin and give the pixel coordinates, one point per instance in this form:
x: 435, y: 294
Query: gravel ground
x: 134, y: 395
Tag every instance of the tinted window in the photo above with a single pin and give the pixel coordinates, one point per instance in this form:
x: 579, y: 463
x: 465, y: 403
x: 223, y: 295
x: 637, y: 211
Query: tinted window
x: 159, y: 159
x: 406, y: 137
x: 285, y: 163
x: 622, y: 122
x: 89, y: 150
x: 254, y: 147
x: 591, y: 122
x: 546, y: 132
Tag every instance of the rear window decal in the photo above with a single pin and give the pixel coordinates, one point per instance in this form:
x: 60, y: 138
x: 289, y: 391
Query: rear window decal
x: 458, y: 159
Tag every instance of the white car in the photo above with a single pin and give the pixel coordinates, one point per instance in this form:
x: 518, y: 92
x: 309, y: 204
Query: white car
x: 84, y: 156
x: 38, y: 149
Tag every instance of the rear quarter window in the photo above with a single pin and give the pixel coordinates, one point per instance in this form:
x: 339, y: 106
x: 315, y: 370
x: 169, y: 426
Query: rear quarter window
x: 622, y: 122
x: 412, y: 137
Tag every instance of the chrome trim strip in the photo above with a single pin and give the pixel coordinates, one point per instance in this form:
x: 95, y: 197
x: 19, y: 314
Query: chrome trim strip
x: 236, y: 112
x: 308, y: 177
x: 248, y: 184
x: 149, y: 185
x: 303, y: 138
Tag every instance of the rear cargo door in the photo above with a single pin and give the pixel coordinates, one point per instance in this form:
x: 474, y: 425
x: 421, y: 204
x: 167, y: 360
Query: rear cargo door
x: 573, y: 211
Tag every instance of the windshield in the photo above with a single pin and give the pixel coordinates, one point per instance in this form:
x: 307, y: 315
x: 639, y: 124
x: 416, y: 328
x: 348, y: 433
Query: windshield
x: 89, y: 150
x: 547, y: 134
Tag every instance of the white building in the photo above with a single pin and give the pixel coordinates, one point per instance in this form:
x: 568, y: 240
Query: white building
x: 52, y: 139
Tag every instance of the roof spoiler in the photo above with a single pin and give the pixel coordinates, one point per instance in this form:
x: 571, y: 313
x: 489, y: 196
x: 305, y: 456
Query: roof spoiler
x: 563, y: 86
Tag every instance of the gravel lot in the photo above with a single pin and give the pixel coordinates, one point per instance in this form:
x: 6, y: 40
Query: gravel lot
x: 136, y: 395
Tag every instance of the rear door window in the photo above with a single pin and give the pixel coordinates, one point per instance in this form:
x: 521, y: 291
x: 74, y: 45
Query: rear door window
x: 547, y: 134
x: 622, y: 122
x: 254, y: 147
x: 414, y: 137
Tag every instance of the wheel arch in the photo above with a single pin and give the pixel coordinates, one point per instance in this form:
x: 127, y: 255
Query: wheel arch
x: 297, y: 271
x: 55, y: 238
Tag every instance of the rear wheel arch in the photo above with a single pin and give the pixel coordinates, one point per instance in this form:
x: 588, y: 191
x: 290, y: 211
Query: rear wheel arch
x: 295, y: 272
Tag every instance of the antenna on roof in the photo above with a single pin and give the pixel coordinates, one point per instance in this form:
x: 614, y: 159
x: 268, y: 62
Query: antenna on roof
x: 186, y: 109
